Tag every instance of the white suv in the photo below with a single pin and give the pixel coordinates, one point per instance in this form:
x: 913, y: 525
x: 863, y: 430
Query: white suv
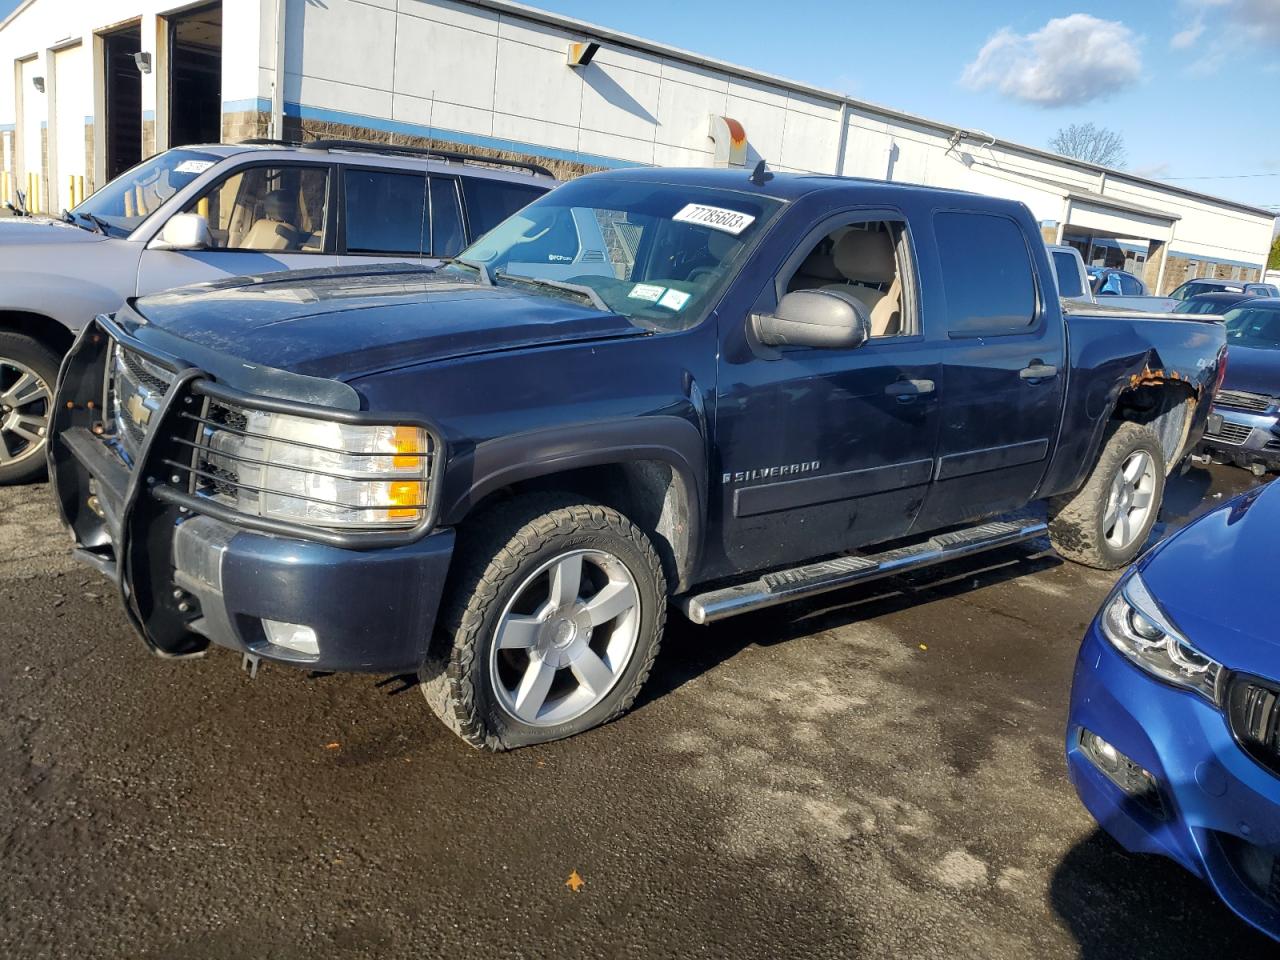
x: 202, y: 213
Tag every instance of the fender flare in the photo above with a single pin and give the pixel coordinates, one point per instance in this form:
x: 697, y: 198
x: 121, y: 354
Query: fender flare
x: 503, y: 461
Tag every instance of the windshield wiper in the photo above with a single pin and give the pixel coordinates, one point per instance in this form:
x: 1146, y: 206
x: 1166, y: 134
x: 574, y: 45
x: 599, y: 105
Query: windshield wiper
x: 576, y: 289
x: 479, y: 268
x: 97, y: 221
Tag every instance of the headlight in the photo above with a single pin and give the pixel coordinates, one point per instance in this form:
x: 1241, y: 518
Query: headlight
x: 1139, y: 629
x: 318, y: 472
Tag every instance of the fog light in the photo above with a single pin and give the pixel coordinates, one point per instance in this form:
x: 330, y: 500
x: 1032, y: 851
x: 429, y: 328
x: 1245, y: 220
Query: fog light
x: 293, y: 636
x: 1123, y: 772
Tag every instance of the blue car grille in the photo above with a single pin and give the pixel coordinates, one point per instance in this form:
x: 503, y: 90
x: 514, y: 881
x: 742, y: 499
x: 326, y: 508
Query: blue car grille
x: 1241, y: 400
x: 1253, y: 711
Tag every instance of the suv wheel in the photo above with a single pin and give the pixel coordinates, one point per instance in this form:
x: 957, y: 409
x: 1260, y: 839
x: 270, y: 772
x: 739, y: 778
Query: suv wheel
x: 1105, y: 524
x: 28, y: 373
x: 556, y: 615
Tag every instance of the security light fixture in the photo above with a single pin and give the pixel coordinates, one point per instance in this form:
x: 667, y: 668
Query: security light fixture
x: 143, y: 62
x: 38, y: 83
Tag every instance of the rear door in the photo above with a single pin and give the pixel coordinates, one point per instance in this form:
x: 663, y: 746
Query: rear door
x: 399, y: 215
x: 263, y: 218
x: 1003, y: 367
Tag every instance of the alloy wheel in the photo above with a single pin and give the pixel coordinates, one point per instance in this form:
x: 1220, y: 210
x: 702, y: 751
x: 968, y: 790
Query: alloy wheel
x: 565, y: 637
x: 25, y: 404
x: 1130, y: 500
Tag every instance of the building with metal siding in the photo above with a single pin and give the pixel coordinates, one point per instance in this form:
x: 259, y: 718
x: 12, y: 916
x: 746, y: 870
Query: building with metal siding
x: 489, y: 75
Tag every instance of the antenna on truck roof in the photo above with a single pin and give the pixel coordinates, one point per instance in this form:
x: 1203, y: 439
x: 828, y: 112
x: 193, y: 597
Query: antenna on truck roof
x: 760, y: 176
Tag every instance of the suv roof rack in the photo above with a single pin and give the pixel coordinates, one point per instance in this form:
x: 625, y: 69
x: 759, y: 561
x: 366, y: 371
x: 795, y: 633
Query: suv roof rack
x: 369, y: 146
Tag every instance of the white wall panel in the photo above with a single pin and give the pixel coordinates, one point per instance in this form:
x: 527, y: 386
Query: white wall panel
x: 73, y: 93
x: 445, y: 62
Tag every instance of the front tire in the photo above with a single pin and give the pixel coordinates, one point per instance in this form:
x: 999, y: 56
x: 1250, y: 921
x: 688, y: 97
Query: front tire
x: 1105, y: 524
x: 28, y: 374
x: 554, y: 619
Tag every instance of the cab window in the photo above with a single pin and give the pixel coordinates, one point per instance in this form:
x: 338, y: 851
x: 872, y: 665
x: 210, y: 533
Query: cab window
x: 278, y: 209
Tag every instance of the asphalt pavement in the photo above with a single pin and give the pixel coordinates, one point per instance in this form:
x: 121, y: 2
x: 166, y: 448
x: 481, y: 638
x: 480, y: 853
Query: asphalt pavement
x: 875, y: 773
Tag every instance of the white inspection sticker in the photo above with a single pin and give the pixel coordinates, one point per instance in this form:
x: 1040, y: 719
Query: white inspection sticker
x: 193, y: 166
x: 717, y: 218
x: 674, y: 300
x: 646, y: 291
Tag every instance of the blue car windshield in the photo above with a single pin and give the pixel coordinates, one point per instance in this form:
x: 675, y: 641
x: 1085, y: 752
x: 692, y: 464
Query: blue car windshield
x: 658, y: 254
x: 1253, y: 328
x: 120, y: 206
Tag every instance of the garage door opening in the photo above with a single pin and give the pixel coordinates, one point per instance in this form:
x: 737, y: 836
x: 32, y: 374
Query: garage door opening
x: 123, y: 99
x: 195, y: 76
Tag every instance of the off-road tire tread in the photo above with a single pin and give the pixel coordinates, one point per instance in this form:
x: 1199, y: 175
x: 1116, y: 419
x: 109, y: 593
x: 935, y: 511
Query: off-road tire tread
x: 495, y: 544
x: 31, y: 351
x: 1074, y: 518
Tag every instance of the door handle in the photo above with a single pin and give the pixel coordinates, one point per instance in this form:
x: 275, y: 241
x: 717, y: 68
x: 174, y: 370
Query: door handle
x: 1038, y: 371
x: 907, y: 389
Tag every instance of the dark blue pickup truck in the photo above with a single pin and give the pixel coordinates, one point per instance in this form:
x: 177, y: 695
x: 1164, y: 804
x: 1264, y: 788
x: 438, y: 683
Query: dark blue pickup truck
x: 693, y: 387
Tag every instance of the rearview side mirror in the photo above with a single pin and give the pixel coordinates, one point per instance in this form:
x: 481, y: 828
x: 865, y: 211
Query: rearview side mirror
x: 184, y: 231
x: 815, y: 318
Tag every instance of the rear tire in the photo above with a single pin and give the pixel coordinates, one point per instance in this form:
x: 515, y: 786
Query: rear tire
x: 28, y: 375
x: 1105, y: 524
x: 554, y: 616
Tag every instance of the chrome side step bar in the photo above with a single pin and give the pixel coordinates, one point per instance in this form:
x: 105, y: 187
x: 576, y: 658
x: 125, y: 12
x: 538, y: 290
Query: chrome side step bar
x: 814, y: 578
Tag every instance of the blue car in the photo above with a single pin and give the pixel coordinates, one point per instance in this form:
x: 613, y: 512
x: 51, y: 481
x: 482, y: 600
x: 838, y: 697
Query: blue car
x: 1173, y: 741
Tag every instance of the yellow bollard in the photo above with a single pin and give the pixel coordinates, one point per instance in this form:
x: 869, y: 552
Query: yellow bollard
x: 202, y: 207
x: 128, y: 203
x: 4, y: 186
x: 79, y: 190
x: 71, y: 191
x: 142, y: 204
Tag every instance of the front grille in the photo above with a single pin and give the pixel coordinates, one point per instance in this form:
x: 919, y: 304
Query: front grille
x: 135, y: 389
x: 1252, y: 706
x: 1232, y: 433
x: 1241, y: 400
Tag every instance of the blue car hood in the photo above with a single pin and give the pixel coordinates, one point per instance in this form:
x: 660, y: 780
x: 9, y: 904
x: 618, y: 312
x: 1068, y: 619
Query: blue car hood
x: 1253, y: 369
x: 344, y: 324
x: 1216, y: 579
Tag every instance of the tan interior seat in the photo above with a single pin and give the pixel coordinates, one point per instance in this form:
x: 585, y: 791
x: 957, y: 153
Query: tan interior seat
x: 866, y: 261
x: 275, y: 229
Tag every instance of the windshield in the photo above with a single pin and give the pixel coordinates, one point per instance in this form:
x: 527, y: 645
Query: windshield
x: 658, y: 254
x: 130, y: 198
x: 1253, y: 328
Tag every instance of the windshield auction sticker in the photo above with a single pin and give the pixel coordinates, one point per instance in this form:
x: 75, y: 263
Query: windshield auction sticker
x: 717, y: 218
x: 193, y: 166
x: 674, y: 300
x: 646, y: 291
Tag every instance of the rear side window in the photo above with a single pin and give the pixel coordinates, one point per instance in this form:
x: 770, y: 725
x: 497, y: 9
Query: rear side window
x: 986, y: 274
x: 489, y: 202
x: 447, y: 238
x: 1130, y: 287
x: 385, y: 212
x: 1068, y: 275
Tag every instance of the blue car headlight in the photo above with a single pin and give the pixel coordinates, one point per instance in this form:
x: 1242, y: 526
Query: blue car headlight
x: 1139, y: 629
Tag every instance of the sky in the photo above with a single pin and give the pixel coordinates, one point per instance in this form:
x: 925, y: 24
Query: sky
x: 1193, y: 86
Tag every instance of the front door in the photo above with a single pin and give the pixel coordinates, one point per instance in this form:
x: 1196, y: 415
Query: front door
x: 1003, y: 369
x: 263, y: 218
x: 821, y: 451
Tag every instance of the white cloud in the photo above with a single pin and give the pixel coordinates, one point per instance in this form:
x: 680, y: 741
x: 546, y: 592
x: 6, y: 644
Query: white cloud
x: 1226, y: 26
x: 1069, y: 61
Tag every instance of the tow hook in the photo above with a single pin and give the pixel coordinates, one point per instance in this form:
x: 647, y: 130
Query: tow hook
x: 250, y: 665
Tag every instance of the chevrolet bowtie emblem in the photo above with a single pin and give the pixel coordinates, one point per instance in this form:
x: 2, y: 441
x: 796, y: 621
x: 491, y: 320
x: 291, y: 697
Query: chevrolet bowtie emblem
x: 138, y: 409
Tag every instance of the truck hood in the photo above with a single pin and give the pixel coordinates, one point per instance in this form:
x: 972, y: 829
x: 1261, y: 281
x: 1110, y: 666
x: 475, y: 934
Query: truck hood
x: 344, y: 324
x: 1216, y: 580
x: 1253, y: 370
x: 40, y: 231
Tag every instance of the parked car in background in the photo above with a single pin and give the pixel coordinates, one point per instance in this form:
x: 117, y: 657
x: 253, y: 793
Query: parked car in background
x: 497, y: 475
x: 1173, y: 738
x: 1215, y: 303
x: 208, y: 212
x: 1069, y: 270
x: 1116, y: 288
x: 1209, y: 285
x: 1249, y: 399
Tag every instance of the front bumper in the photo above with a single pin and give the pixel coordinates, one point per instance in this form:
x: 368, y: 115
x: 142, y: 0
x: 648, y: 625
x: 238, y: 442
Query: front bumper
x: 1218, y: 813
x: 1244, y: 439
x: 189, y: 576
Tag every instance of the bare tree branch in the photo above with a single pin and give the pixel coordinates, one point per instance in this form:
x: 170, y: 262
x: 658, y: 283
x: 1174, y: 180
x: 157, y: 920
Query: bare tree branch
x: 1090, y: 143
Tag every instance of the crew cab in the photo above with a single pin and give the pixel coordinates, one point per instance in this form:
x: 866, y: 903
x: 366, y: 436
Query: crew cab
x: 499, y: 474
x: 221, y: 210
